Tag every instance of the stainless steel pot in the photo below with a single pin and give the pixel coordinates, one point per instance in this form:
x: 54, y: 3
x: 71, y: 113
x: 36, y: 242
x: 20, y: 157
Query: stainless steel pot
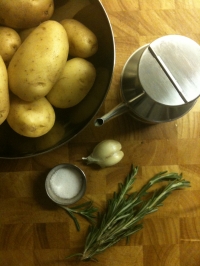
x: 160, y: 82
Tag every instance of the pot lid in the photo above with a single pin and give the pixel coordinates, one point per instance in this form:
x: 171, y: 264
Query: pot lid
x: 169, y: 70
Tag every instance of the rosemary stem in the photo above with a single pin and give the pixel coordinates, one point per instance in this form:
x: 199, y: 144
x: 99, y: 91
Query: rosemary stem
x: 124, y: 211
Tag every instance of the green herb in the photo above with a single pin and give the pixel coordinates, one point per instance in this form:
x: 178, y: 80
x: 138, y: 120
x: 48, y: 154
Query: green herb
x: 86, y: 210
x: 125, y: 210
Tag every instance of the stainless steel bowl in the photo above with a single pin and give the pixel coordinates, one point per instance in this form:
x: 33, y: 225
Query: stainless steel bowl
x: 70, y: 122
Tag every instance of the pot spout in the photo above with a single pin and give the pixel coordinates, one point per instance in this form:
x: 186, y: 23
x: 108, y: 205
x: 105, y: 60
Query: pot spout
x: 116, y: 111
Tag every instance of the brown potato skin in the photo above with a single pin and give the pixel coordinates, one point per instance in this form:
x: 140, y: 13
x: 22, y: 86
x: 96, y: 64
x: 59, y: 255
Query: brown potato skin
x: 30, y: 119
x: 4, y: 93
x: 9, y: 43
x: 20, y: 14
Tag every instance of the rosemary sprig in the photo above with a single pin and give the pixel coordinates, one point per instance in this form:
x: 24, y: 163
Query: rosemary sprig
x: 86, y: 210
x: 124, y: 211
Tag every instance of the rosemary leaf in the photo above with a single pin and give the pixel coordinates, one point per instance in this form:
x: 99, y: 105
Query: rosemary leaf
x: 125, y: 211
x: 86, y: 210
x: 70, y: 213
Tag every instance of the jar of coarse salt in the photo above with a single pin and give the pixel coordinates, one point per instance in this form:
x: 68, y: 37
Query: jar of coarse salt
x: 65, y: 184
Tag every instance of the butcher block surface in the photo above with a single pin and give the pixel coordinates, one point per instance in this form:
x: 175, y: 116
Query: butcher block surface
x: 34, y: 231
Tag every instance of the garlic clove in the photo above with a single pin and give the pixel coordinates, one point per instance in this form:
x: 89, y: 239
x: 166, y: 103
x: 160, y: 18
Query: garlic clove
x: 90, y: 159
x: 106, y: 147
x: 112, y: 160
x: 106, y: 153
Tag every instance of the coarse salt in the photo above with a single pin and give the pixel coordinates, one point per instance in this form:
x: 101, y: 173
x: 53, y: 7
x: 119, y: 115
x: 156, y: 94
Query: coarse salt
x: 66, y: 183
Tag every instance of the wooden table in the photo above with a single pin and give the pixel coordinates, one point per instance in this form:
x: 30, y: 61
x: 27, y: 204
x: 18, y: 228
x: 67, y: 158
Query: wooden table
x: 34, y: 231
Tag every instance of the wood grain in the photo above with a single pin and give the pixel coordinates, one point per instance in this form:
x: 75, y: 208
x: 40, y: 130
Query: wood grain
x: 34, y: 231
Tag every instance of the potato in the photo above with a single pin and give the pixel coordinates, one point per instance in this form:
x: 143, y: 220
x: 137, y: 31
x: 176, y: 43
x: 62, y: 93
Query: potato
x: 52, y: 138
x: 9, y: 43
x: 4, y: 94
x: 82, y: 41
x: 39, y: 61
x: 22, y: 14
x: 74, y: 83
x: 82, y: 112
x: 25, y: 33
x: 30, y: 119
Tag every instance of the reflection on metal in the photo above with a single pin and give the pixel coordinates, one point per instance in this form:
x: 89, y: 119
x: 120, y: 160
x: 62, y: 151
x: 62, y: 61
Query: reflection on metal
x: 70, y: 122
x: 160, y: 82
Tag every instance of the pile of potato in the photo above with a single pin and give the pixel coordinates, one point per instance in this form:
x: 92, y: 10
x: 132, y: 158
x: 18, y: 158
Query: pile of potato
x: 43, y: 64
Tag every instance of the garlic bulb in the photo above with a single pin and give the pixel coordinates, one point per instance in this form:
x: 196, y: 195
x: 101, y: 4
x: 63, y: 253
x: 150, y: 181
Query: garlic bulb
x: 106, y: 153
